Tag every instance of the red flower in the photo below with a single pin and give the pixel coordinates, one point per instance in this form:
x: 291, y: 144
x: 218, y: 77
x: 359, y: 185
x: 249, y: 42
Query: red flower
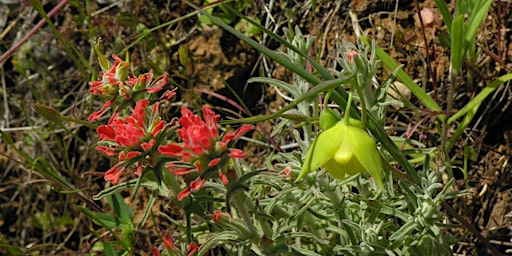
x: 193, y: 248
x: 155, y: 251
x: 202, y: 148
x: 129, y: 138
x: 168, y: 242
x: 112, y: 81
x: 115, y: 81
x: 217, y: 215
x: 96, y: 115
x: 195, y: 186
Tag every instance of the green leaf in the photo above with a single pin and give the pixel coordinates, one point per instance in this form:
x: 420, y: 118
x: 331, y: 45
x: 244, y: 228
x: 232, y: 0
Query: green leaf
x: 120, y: 208
x: 149, y: 208
x: 456, y: 46
x: 281, y: 84
x: 106, y: 220
x: 478, y: 99
x: 404, y: 231
x: 474, y: 22
x: 218, y: 238
x: 321, y: 87
x: 416, y: 90
x: 109, y: 249
x: 447, y: 17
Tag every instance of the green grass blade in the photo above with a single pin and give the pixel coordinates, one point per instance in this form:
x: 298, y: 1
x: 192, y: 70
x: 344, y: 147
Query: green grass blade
x: 447, y: 17
x: 456, y: 46
x: 280, y: 58
x: 422, y: 96
x: 474, y: 23
x: 478, y: 99
x: 323, y: 72
x: 460, y: 128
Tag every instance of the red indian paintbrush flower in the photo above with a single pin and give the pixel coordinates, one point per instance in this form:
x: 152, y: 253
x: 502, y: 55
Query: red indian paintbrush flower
x: 115, y: 81
x: 203, y: 149
x: 131, y: 137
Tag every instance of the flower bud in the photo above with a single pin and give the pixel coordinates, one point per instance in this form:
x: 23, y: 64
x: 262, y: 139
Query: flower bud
x: 49, y: 113
x: 328, y: 118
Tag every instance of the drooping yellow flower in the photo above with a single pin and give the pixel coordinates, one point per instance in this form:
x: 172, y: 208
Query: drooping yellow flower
x: 344, y: 149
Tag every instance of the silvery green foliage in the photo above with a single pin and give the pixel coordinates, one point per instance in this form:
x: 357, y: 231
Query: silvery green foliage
x: 354, y: 217
x: 321, y: 215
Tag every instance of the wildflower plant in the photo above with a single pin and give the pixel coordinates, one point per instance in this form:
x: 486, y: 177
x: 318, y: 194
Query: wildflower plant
x: 332, y: 181
x: 331, y: 194
x: 341, y: 186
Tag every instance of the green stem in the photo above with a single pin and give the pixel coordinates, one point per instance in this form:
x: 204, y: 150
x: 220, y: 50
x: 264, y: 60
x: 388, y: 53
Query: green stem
x: 363, y: 106
x: 326, y: 99
x: 347, y: 109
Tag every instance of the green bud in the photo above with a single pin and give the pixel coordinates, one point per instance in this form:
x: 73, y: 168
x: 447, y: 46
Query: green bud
x: 344, y: 150
x: 328, y: 118
x: 104, y: 63
x: 49, y: 113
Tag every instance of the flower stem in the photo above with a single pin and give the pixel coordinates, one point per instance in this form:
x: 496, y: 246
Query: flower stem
x: 363, y: 106
x: 347, y: 109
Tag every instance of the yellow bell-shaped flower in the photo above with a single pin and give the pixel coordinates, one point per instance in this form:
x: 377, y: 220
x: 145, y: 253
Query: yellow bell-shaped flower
x: 344, y: 149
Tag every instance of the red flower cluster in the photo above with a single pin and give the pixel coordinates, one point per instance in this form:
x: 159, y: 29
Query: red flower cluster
x: 115, y: 81
x: 129, y: 138
x: 168, y: 244
x: 203, y: 150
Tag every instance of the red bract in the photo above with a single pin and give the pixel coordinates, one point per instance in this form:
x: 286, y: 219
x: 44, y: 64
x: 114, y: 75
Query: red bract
x: 193, y: 248
x: 96, y: 115
x: 129, y: 138
x: 203, y: 150
x: 111, y: 80
x: 217, y: 215
x: 115, y: 81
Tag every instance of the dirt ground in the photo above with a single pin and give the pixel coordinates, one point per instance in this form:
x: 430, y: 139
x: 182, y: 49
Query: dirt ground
x: 34, y: 215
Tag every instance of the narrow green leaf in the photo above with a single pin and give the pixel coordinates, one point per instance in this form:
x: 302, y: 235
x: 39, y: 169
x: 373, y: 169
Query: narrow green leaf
x: 321, y: 87
x: 447, y: 17
x: 281, y: 59
x: 417, y: 91
x: 149, y: 208
x: 475, y: 21
x: 456, y: 47
x: 107, y: 220
x: 478, y: 99
x: 120, y: 208
x: 111, y: 190
x: 460, y: 128
x: 281, y: 84
x: 404, y: 231
x: 219, y: 238
x: 323, y: 72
